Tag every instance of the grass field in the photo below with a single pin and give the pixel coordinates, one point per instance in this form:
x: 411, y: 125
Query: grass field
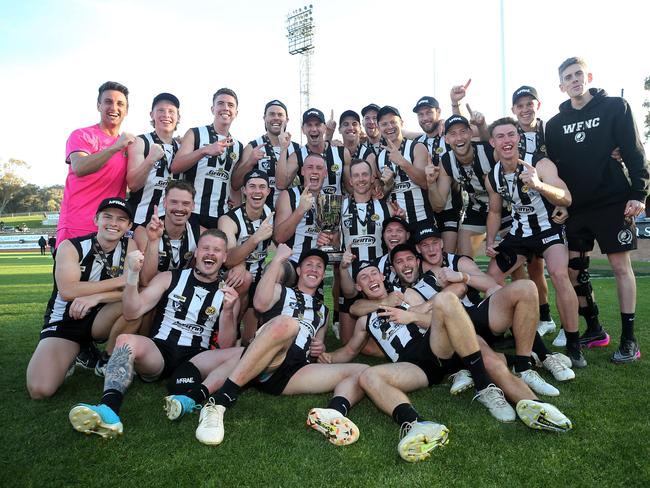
x: 267, y: 443
x: 34, y: 221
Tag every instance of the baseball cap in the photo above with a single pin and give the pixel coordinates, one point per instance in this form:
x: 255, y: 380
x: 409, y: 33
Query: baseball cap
x: 402, y: 247
x: 115, y: 202
x: 277, y: 103
x: 256, y: 173
x: 359, y: 266
x: 399, y: 220
x: 349, y: 113
x: 314, y: 252
x: 368, y: 108
x: 313, y: 113
x: 524, y: 91
x: 168, y: 97
x: 426, y: 102
x: 386, y: 110
x: 455, y: 119
x: 425, y: 232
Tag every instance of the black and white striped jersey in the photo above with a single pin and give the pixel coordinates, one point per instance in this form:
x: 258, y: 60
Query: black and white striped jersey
x: 188, y: 312
x: 94, y: 266
x: 269, y: 163
x: 362, y: 225
x: 407, y: 193
x: 211, y: 175
x: 428, y: 286
x: 391, y: 280
x: 334, y: 160
x: 178, y: 253
x: 306, y: 231
x: 531, y: 142
x: 437, y: 147
x: 143, y: 200
x: 393, y: 338
x: 245, y: 229
x: 531, y: 212
x: 310, y: 312
x: 471, y: 177
x: 362, y: 152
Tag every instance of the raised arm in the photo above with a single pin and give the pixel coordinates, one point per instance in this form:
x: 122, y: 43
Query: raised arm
x: 544, y: 179
x: 83, y: 163
x: 139, y: 167
x: 135, y: 303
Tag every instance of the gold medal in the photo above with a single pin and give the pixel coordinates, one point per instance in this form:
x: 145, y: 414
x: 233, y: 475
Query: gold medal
x: 233, y: 156
x: 542, y: 148
x: 509, y: 207
x: 188, y: 255
x: 335, y: 167
x: 222, y: 285
x: 320, y: 314
x: 113, y: 271
x: 439, y: 150
x: 300, y: 316
x: 374, y: 217
x: 524, y: 188
x: 210, y: 311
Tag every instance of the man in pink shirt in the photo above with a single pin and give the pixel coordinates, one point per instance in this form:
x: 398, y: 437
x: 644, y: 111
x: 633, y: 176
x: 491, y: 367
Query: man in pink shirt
x: 97, y: 160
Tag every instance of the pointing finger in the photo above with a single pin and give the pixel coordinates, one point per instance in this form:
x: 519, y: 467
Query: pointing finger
x: 467, y: 84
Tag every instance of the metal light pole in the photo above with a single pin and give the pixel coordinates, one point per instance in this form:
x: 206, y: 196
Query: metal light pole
x: 300, y: 32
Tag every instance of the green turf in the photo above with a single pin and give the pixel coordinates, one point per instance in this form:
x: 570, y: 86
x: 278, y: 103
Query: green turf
x: 267, y: 443
x: 34, y: 221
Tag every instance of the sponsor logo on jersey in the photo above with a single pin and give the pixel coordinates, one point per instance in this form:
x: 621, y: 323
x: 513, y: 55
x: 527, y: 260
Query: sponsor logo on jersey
x: 402, y: 187
x: 524, y: 209
x: 219, y: 174
x: 347, y: 223
x: 363, y: 241
x: 329, y: 190
x: 580, y: 126
x: 161, y: 183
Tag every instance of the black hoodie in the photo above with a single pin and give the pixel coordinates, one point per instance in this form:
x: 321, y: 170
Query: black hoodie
x: 580, y: 143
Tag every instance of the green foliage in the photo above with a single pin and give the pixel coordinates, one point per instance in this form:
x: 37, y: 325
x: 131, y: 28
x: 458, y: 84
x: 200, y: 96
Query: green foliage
x: 267, y: 443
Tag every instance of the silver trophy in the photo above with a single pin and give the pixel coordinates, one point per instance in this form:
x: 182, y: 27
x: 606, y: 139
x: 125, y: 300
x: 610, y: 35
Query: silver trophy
x: 328, y: 217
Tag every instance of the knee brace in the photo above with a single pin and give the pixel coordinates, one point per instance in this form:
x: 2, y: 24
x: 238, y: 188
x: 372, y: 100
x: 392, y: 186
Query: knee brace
x: 183, y: 379
x: 584, y: 288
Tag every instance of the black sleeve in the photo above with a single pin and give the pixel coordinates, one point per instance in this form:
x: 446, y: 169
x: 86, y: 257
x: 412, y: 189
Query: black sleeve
x: 627, y: 139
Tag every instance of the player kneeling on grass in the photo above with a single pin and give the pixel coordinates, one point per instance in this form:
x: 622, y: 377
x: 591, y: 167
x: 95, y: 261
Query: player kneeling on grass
x: 85, y: 303
x: 191, y: 307
x: 424, y: 347
x: 277, y: 360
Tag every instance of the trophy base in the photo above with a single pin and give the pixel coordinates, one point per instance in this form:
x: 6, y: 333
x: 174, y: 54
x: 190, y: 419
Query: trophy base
x: 334, y: 255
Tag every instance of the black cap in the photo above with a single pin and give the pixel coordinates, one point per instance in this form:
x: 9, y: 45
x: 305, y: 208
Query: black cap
x: 399, y: 220
x: 426, y: 102
x: 256, y: 173
x: 524, y: 91
x: 313, y: 113
x: 314, y: 252
x: 368, y: 108
x: 424, y: 232
x: 386, y: 110
x: 402, y: 247
x: 349, y: 113
x: 455, y: 119
x: 168, y: 97
x: 359, y: 266
x: 277, y: 103
x: 116, y: 202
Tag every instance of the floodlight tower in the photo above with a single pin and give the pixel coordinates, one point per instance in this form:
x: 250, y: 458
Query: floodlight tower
x: 300, y: 32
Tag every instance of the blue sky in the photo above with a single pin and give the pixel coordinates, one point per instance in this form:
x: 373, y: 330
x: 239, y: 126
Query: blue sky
x: 54, y: 55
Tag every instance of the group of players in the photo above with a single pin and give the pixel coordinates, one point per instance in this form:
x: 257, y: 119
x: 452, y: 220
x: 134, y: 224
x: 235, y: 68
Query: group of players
x: 205, y: 212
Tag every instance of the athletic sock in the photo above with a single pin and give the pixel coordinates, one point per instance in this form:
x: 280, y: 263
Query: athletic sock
x: 340, y: 404
x: 510, y: 359
x: 522, y: 363
x: 572, y: 339
x: 627, y: 326
x: 199, y: 393
x: 590, y: 313
x: 113, y: 400
x: 539, y: 348
x: 227, y: 394
x: 404, y: 412
x: 474, y: 362
x: 544, y: 312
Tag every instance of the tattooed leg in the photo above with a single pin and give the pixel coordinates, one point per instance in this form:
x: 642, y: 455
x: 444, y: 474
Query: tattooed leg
x: 119, y: 374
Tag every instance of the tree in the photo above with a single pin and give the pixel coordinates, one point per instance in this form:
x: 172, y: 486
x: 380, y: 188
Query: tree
x: 10, y: 180
x: 646, y: 104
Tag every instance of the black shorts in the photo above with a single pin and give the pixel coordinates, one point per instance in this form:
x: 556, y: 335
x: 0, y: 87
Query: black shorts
x: 607, y: 225
x: 173, y: 357
x: 420, y: 355
x: 276, y: 381
x: 476, y: 220
x: 512, y: 246
x: 480, y: 317
x: 79, y: 331
x: 447, y: 220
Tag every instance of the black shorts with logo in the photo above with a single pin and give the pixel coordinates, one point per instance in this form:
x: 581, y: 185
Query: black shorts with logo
x: 512, y: 246
x: 79, y: 331
x: 420, y: 355
x: 607, y: 225
x: 173, y: 356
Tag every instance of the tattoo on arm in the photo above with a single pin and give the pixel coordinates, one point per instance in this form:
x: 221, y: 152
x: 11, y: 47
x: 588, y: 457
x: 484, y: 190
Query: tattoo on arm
x: 119, y: 370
